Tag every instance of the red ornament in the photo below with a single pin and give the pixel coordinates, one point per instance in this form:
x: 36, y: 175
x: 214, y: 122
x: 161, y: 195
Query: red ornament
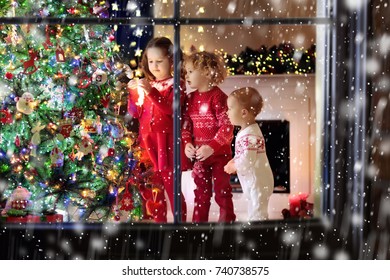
x: 5, y: 116
x: 9, y: 75
x: 60, y: 54
x: 145, y: 192
x: 154, y: 208
x: 111, y: 38
x: 127, y: 200
x: 71, y: 10
x: 76, y: 114
x: 47, y: 42
x: 117, y: 218
x: 17, y: 141
x: 84, y: 81
x: 30, y: 63
x: 111, y: 152
x: 66, y: 128
x: 105, y: 101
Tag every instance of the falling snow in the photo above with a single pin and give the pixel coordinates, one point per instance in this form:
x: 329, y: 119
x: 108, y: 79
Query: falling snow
x: 323, y: 132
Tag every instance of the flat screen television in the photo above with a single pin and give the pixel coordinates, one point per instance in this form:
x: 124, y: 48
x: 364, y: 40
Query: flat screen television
x: 277, y: 144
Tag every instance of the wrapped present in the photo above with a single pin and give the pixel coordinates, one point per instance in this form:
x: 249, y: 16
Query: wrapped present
x: 299, y: 207
x: 21, y: 219
x: 52, y: 218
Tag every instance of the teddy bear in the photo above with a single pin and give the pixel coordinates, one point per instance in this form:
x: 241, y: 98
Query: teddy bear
x: 19, y: 200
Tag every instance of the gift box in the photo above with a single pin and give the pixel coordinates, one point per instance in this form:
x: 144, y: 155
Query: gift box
x: 54, y: 218
x: 21, y: 219
x: 299, y: 207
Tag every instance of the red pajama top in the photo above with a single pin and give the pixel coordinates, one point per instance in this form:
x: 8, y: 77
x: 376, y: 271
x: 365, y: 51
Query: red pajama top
x: 206, y: 121
x: 156, y: 113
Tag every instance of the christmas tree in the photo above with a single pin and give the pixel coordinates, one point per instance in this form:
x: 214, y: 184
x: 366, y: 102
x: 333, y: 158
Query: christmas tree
x: 64, y: 134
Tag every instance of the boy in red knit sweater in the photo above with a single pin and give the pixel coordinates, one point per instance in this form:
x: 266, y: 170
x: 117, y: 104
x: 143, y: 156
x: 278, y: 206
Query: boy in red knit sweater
x: 207, y: 134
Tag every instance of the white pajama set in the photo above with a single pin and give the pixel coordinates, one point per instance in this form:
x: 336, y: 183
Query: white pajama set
x: 254, y: 171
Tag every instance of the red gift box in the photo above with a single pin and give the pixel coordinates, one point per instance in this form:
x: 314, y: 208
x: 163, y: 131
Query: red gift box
x: 54, y: 218
x: 23, y: 219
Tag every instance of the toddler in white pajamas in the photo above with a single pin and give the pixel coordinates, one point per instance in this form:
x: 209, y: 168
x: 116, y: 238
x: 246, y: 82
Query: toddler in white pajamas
x: 250, y: 161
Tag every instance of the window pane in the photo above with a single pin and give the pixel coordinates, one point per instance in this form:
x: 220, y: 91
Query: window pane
x: 250, y: 9
x: 279, y: 61
x: 76, y: 9
x: 163, y: 9
x: 50, y: 8
x: 221, y: 36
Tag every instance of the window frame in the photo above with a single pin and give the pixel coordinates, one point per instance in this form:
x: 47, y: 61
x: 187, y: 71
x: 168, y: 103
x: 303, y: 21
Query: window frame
x: 342, y: 184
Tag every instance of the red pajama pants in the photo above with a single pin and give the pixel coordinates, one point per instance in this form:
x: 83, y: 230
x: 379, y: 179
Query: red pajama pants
x: 208, y: 174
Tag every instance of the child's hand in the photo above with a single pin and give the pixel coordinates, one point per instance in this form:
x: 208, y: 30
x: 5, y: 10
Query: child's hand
x: 230, y: 168
x: 133, y: 84
x: 204, y: 152
x: 144, y: 85
x: 190, y: 150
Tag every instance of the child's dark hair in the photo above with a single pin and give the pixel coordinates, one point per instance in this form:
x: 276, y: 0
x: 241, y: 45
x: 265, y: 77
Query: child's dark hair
x: 162, y: 43
x: 210, y: 63
x: 249, y: 98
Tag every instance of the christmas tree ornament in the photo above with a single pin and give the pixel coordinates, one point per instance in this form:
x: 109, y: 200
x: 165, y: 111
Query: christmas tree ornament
x: 116, y: 130
x: 101, y: 9
x: 65, y: 127
x: 84, y: 80
x: 36, y: 138
x: 111, y: 152
x: 60, y: 55
x: 127, y: 200
x: 30, y: 64
x: 25, y: 104
x: 5, y: 116
x: 9, y: 76
x: 47, y: 42
x: 154, y: 207
x: 99, y: 77
x: 17, y: 141
x: 88, y: 125
x: 76, y: 114
x: 111, y: 38
x: 98, y: 125
x: 105, y: 101
x: 56, y: 157
x: 85, y: 147
x: 19, y: 200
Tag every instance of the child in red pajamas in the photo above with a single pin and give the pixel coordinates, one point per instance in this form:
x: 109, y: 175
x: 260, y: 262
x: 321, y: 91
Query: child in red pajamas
x: 154, y: 109
x: 207, y: 135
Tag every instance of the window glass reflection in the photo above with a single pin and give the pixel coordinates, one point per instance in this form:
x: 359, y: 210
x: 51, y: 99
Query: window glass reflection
x: 248, y: 9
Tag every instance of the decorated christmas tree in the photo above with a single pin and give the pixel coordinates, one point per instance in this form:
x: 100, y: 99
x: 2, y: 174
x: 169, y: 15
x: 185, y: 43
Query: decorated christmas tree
x: 64, y: 135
